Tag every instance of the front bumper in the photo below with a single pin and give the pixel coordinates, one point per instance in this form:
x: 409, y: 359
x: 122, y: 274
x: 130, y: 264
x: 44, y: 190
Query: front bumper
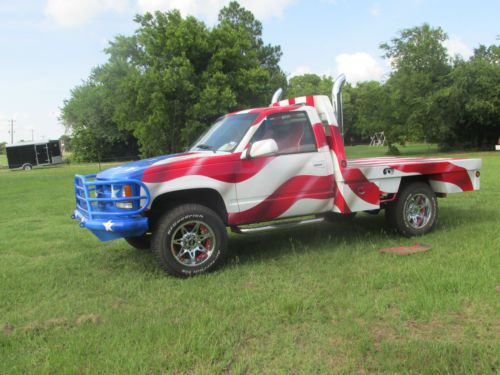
x: 102, y: 216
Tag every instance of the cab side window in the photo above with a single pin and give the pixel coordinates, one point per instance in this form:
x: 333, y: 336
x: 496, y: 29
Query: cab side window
x: 292, y: 132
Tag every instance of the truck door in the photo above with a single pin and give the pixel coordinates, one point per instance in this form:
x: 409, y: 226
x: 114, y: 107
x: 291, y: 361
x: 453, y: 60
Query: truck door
x: 42, y: 154
x: 293, y: 182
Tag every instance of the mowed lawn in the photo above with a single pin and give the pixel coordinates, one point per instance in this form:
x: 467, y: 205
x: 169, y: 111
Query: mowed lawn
x: 319, y: 299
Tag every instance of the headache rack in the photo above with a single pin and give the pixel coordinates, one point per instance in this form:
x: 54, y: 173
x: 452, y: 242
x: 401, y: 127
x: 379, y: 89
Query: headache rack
x: 97, y: 199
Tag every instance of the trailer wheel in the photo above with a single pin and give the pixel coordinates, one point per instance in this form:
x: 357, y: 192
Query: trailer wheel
x: 189, y: 240
x: 27, y: 167
x: 415, y: 211
x: 141, y: 242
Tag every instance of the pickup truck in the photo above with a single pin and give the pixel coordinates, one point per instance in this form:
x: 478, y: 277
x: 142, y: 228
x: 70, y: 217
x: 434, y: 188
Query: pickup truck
x: 255, y: 166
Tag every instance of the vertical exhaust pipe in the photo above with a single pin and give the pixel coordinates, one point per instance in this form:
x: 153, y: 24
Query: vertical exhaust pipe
x: 337, y: 101
x: 277, y: 95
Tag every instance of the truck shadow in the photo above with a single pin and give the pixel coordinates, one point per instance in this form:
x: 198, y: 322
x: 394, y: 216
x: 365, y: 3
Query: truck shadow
x: 315, y: 238
x: 331, y: 236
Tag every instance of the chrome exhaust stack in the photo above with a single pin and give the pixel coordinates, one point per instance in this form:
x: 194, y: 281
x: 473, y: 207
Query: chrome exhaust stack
x: 337, y: 101
x: 277, y: 96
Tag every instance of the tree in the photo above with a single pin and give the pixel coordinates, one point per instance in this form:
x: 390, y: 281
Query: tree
x: 420, y: 64
x: 89, y: 117
x: 66, y: 141
x: 472, y: 102
x: 2, y: 147
x: 166, y: 83
x: 309, y: 84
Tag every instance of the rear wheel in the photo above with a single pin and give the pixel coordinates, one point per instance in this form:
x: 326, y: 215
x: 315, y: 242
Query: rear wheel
x: 27, y: 167
x: 188, y: 240
x: 415, y: 211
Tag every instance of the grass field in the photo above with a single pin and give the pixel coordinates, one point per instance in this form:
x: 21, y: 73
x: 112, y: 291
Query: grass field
x: 318, y: 299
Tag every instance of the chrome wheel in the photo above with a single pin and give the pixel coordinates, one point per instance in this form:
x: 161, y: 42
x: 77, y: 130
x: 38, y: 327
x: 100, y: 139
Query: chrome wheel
x: 192, y: 243
x: 418, y: 209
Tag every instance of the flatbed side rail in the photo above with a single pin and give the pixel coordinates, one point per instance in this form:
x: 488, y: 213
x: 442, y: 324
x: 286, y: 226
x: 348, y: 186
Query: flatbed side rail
x: 97, y: 199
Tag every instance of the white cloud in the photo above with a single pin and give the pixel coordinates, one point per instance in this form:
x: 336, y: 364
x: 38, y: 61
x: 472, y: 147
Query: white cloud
x: 209, y: 9
x: 69, y: 13
x: 358, y: 67
x: 456, y: 46
x: 300, y: 70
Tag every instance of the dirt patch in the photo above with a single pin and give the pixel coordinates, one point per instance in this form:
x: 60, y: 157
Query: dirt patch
x: 36, y: 327
x: 8, y: 329
x: 249, y: 285
x: 406, y: 250
x: 89, y: 318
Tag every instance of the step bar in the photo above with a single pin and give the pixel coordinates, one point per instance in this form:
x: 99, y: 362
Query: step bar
x: 284, y: 225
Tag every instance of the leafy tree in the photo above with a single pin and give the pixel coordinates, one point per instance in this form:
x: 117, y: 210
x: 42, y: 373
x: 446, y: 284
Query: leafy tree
x: 2, y: 147
x: 166, y: 83
x: 66, y: 140
x: 472, y: 102
x: 87, y: 115
x: 420, y: 64
x: 309, y: 84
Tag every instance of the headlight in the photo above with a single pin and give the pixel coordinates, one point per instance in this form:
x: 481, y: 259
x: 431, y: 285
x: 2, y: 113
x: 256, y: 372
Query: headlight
x: 125, y: 191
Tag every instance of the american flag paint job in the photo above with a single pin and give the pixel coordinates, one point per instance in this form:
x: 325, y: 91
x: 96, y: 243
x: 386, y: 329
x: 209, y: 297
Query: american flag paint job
x: 279, y: 186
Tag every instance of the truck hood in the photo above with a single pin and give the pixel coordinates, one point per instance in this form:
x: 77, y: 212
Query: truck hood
x: 134, y: 170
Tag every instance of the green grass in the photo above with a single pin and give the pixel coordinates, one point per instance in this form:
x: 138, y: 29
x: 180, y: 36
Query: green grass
x: 318, y: 299
x: 411, y: 149
x: 3, y: 161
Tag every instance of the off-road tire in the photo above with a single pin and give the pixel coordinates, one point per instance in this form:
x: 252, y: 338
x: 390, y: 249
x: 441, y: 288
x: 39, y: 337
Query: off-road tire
x: 167, y: 226
x: 141, y: 242
x: 398, y: 211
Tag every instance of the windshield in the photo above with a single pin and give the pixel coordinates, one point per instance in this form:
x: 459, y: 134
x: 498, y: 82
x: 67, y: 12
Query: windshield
x: 226, y: 133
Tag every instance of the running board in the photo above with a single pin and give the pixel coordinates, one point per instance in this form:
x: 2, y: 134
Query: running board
x: 285, y: 225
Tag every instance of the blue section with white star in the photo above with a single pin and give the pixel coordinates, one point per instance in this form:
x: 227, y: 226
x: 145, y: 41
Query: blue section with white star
x: 111, y: 208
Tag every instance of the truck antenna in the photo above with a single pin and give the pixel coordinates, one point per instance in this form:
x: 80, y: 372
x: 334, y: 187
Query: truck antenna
x: 277, y: 95
x: 337, y: 101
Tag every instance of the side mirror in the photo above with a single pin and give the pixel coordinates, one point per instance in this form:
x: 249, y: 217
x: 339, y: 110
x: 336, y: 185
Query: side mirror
x: 265, y: 147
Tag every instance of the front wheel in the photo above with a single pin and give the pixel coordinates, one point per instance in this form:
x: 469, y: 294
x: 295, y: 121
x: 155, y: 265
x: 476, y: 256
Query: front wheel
x: 415, y: 211
x: 189, y: 240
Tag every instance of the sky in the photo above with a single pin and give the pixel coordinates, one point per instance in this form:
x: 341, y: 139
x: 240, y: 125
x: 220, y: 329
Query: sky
x: 47, y: 47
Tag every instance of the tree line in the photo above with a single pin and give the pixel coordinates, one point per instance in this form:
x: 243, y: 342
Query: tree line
x: 165, y: 84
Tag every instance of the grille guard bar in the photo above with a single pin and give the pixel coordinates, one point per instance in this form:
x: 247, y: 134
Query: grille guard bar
x: 87, y: 202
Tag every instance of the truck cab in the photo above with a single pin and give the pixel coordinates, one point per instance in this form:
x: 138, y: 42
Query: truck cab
x: 259, y: 165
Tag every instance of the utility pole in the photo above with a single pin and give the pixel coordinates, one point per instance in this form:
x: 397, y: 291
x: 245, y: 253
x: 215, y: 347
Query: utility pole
x: 32, y: 137
x: 12, y: 131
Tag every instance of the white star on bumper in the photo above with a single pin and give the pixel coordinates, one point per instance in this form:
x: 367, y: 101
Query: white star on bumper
x: 108, y: 225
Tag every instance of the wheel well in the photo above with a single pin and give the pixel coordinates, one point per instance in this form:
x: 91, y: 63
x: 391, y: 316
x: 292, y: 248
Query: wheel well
x: 409, y: 179
x: 206, y: 197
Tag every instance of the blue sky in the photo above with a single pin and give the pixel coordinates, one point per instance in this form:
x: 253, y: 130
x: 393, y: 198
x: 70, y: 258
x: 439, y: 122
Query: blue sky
x: 49, y: 46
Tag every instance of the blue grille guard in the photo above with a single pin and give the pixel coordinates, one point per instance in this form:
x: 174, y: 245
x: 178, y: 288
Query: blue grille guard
x: 97, y: 207
x: 88, y: 203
